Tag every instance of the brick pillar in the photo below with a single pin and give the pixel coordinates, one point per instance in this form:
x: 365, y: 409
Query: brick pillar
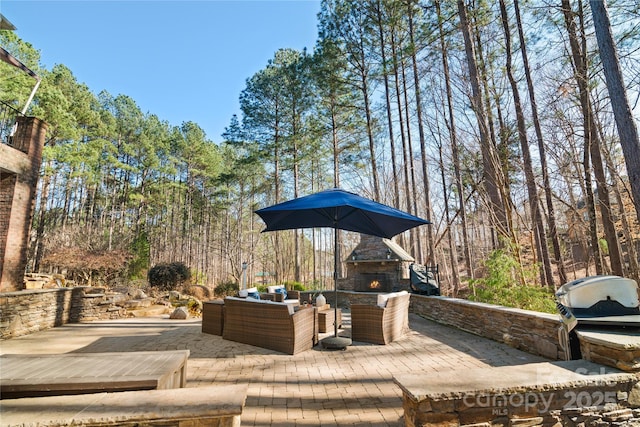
x: 7, y: 186
x: 19, y: 172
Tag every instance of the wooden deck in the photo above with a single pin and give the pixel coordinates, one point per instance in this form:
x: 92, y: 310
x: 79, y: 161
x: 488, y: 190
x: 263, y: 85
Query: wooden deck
x: 25, y: 375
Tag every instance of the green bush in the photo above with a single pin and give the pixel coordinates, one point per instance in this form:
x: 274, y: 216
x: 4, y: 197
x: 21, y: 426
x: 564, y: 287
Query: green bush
x: 226, y: 289
x: 167, y: 277
x: 501, y: 286
x: 294, y: 286
x: 183, y: 273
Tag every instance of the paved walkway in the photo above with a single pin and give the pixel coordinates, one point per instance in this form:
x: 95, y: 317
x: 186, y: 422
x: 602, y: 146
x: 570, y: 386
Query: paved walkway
x: 313, y: 388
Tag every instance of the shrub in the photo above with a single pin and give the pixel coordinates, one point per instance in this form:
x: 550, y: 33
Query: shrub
x: 226, y: 289
x: 294, y: 286
x: 501, y: 286
x: 89, y: 268
x: 167, y: 277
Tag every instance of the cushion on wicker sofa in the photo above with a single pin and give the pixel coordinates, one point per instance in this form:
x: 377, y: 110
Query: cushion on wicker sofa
x: 249, y: 293
x: 279, y: 292
x: 290, y: 308
x: 274, y: 289
x: 383, y: 298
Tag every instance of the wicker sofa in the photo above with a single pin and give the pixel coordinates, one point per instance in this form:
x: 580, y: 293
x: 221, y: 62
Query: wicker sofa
x: 272, y: 325
x: 381, y: 323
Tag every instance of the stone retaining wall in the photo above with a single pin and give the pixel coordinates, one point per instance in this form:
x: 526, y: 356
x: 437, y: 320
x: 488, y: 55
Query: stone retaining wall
x: 25, y: 312
x: 454, y: 412
x: 530, y: 331
x: 617, y: 348
x: 346, y: 298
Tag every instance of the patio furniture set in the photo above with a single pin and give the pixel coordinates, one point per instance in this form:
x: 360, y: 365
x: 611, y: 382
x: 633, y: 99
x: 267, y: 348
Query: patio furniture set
x: 289, y: 327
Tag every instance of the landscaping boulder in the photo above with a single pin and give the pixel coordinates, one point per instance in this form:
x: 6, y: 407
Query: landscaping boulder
x: 179, y: 313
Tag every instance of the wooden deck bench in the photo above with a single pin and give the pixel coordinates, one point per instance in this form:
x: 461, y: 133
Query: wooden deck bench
x: 219, y: 406
x: 33, y: 375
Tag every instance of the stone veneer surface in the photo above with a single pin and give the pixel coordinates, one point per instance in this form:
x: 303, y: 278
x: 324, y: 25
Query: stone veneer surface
x: 618, y: 348
x: 573, y: 393
x: 531, y: 331
x: 25, y: 312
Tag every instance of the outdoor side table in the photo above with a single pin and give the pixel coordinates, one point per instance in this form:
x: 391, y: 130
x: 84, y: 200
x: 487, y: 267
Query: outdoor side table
x: 326, y: 319
x: 213, y: 317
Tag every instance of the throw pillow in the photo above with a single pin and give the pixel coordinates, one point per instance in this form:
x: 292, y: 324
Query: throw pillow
x: 382, y: 300
x: 282, y: 291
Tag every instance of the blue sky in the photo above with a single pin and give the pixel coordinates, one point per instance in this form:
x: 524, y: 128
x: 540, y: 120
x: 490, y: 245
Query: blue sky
x: 180, y: 60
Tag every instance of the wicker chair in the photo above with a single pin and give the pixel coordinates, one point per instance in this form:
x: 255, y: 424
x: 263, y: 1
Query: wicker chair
x: 266, y: 324
x: 303, y: 296
x: 381, y: 325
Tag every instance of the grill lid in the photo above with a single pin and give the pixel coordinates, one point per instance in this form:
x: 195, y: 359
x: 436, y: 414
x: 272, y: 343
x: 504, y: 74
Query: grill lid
x: 600, y: 296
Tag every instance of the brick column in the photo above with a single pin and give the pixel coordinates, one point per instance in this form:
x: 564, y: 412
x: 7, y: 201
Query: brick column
x: 19, y: 172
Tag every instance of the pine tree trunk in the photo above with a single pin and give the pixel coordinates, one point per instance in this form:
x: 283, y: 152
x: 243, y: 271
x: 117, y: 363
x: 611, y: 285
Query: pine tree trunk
x: 625, y: 121
x: 491, y: 165
x: 532, y: 191
x: 370, y: 136
x: 412, y: 191
x: 396, y: 74
x: 454, y: 149
x: 423, y: 144
x: 296, y: 185
x: 632, y: 254
x: 553, y: 230
x: 387, y: 93
x: 453, y: 253
x: 44, y: 198
x: 592, y: 142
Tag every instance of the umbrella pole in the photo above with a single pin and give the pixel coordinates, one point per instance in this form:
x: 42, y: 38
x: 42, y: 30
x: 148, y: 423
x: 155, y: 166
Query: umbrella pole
x: 335, y: 342
x: 335, y: 281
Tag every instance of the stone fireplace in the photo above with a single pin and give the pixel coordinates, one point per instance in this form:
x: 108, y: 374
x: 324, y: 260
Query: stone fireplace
x: 377, y: 265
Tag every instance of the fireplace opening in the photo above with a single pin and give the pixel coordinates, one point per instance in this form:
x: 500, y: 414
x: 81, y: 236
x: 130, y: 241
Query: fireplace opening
x: 373, y: 282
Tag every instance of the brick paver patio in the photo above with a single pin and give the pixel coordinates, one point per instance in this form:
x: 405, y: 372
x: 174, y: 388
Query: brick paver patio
x: 313, y: 388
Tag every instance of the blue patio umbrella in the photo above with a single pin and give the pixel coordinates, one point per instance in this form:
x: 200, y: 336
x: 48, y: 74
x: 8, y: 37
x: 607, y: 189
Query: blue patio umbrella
x: 338, y: 209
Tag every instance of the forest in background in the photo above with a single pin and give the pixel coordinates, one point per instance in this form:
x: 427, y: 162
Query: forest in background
x: 491, y: 119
